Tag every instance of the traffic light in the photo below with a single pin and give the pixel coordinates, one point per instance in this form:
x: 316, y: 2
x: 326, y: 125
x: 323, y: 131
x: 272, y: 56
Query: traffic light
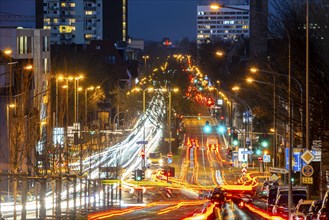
x: 199, y: 116
x: 139, y: 175
x: 143, y: 154
x: 221, y: 129
x: 258, y: 152
x: 207, y: 127
x: 235, y: 138
x: 171, y: 171
x: 264, y: 140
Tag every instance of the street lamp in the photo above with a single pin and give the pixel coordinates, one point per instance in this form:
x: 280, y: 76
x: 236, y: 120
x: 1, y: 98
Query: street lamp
x: 145, y: 57
x: 149, y: 89
x: 169, y: 113
x: 91, y: 88
x: 255, y: 70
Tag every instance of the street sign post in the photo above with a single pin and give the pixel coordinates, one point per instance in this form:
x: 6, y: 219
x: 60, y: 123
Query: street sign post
x: 307, y: 170
x: 266, y: 158
x: 247, y: 152
x: 307, y: 157
x: 307, y: 180
x: 277, y: 170
x: 169, y: 139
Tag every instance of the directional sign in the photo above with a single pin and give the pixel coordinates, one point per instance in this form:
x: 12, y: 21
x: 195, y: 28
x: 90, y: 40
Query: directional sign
x: 307, y: 170
x: 142, y: 142
x: 169, y: 139
x: 296, y: 160
x: 277, y: 170
x: 169, y: 160
x: 307, y: 156
x: 247, y: 152
x: 244, y: 170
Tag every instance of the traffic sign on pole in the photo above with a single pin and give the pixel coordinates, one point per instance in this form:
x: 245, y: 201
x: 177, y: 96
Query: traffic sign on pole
x: 142, y: 142
x: 277, y: 170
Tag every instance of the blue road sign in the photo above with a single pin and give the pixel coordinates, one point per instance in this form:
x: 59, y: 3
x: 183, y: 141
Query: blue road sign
x: 142, y: 142
x: 247, y: 152
x: 296, y: 161
x: 266, y: 158
x: 169, y: 160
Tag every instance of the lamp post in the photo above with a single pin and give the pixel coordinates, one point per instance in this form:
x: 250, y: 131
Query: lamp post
x: 76, y: 97
x: 169, y: 114
x: 275, y: 74
x: 145, y: 57
x: 91, y: 88
x: 149, y: 89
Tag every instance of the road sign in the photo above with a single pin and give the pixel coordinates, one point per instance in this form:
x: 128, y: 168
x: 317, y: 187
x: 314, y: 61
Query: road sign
x: 247, y: 152
x: 142, y: 142
x: 169, y: 160
x: 277, y: 170
x: 169, y: 139
x: 317, y: 154
x: 244, y: 170
x: 307, y: 157
x: 296, y: 160
x: 266, y: 158
x: 169, y: 155
x: 274, y: 177
x: 244, y: 165
x: 307, y: 170
x: 307, y: 180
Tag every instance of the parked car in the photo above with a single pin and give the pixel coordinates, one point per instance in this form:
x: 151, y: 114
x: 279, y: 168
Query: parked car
x: 313, y: 211
x: 323, y: 213
x: 281, y: 204
x: 301, y: 210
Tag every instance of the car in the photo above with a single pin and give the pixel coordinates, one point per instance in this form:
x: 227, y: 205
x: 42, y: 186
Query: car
x: 314, y: 208
x: 301, y: 210
x: 323, y: 213
x: 281, y: 204
x: 212, y: 143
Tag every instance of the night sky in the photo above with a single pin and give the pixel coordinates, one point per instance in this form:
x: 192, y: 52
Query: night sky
x: 147, y: 19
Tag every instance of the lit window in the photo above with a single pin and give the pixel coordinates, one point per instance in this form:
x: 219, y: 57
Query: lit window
x: 46, y: 27
x: 63, y: 4
x: 71, y: 20
x: 55, y: 20
x: 46, y: 20
x: 89, y: 12
x: 88, y: 36
x: 72, y: 5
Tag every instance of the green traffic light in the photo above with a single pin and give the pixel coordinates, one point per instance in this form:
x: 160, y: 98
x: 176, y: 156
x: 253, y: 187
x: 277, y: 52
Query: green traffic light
x: 264, y: 144
x: 258, y: 152
x: 235, y: 142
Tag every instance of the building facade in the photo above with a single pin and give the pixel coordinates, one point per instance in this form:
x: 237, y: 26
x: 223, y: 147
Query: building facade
x: 225, y: 23
x: 24, y: 85
x: 81, y: 21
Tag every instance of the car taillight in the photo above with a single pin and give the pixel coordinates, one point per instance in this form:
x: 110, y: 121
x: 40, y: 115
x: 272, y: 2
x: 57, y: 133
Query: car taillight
x: 323, y: 216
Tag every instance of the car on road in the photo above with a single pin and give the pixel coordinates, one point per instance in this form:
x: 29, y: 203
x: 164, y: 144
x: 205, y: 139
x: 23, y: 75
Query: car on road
x: 323, y: 213
x: 301, y: 210
x: 313, y: 210
x: 212, y: 143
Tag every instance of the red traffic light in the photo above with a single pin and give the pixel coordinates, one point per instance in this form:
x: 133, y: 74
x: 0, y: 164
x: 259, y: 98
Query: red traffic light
x: 143, y: 154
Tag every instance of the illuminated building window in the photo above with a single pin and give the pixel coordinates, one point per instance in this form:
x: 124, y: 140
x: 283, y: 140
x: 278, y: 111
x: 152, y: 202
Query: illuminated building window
x: 56, y: 20
x: 88, y: 36
x: 24, y: 44
x: 89, y: 12
x: 46, y: 27
x: 46, y: 20
x: 66, y: 29
x: 63, y: 4
x: 72, y: 4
